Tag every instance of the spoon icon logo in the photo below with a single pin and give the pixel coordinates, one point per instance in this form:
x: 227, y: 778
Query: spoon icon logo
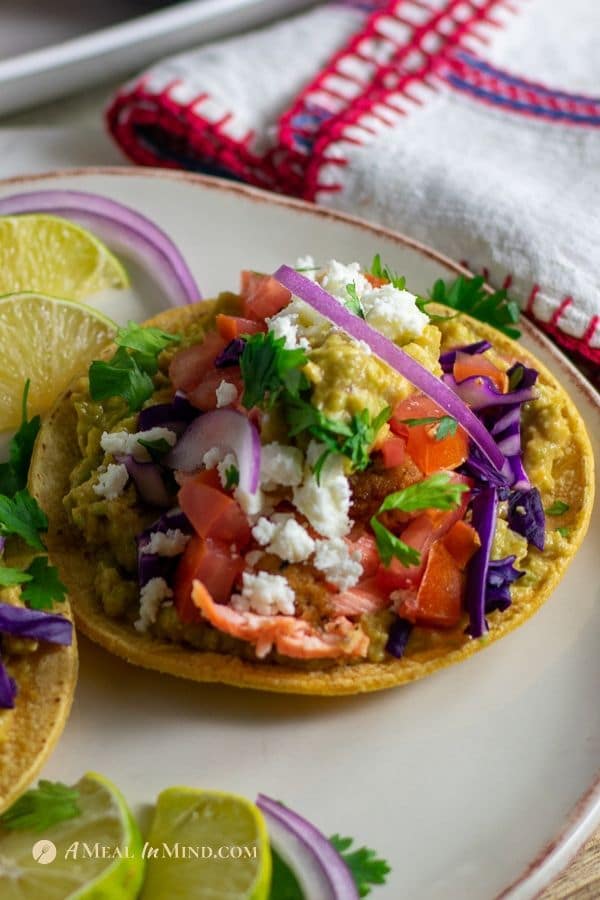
x: 44, y: 852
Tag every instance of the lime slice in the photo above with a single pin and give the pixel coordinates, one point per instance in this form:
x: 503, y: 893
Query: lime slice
x: 221, y: 843
x: 44, y: 253
x: 68, y: 861
x: 48, y: 340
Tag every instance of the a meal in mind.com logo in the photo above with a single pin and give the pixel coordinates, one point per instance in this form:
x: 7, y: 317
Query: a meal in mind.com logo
x: 44, y: 851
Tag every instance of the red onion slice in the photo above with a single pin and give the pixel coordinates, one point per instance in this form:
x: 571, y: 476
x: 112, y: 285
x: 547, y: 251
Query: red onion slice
x: 313, y: 294
x: 328, y: 876
x: 231, y: 432
x: 148, y: 480
x: 122, y: 228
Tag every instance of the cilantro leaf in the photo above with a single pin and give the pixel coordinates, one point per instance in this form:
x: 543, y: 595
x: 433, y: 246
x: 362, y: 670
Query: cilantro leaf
x: 268, y: 369
x: 232, y: 477
x: 388, y: 546
x: 446, y: 425
x: 468, y: 295
x: 364, y: 864
x: 43, y: 587
x: 284, y: 884
x: 157, y: 448
x: 10, y: 577
x: 564, y: 531
x: 146, y: 342
x: 120, y: 377
x: 353, y: 302
x: 381, y: 270
x: 36, y: 810
x: 363, y: 433
x: 22, y: 516
x: 13, y: 474
x: 436, y: 492
x: 558, y: 508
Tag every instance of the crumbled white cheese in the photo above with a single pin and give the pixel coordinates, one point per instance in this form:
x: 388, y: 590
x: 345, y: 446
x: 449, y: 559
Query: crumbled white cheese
x: 280, y: 465
x: 229, y: 461
x: 121, y: 442
x: 340, y: 565
x: 111, y: 483
x: 216, y: 458
x: 166, y: 543
x: 311, y: 327
x: 394, y: 313
x: 151, y: 596
x: 290, y: 540
x: 226, y: 394
x: 264, y: 594
x: 263, y: 531
x: 336, y: 276
x: 212, y: 458
x: 326, y: 504
x: 252, y: 504
x: 286, y: 326
x: 306, y: 266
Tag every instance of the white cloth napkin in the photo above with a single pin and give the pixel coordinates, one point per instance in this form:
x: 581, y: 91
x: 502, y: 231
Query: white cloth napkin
x: 471, y: 126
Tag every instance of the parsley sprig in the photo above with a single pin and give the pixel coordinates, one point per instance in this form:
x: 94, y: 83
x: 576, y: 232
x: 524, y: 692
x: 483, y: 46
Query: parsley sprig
x: 21, y: 515
x: 436, y: 492
x: 353, y: 302
x: 446, y: 425
x: 38, y: 809
x: 558, y: 508
x: 41, y: 585
x: 364, y: 864
x: 381, y: 270
x: 13, y: 474
x: 129, y: 373
x: 269, y: 369
x: 468, y: 295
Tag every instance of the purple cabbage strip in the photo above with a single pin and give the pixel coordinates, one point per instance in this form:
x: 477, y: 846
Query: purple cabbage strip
x: 501, y: 574
x: 485, y: 475
x: 230, y: 356
x: 151, y: 565
x: 448, y: 358
x: 526, y: 516
x: 484, y: 507
x: 398, y: 637
x: 8, y: 689
x: 479, y: 392
x: 35, y: 624
x: 148, y: 479
x: 175, y: 415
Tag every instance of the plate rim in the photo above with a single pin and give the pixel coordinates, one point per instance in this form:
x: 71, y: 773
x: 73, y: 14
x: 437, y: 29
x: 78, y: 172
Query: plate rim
x: 584, y: 817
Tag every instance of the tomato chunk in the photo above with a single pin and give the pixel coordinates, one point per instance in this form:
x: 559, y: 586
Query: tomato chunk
x: 204, y: 395
x: 213, y: 513
x: 263, y: 296
x: 369, y: 557
x: 439, y: 598
x: 189, y: 366
x: 427, y: 452
x: 461, y: 542
x: 210, y: 562
x: 393, y: 451
x: 467, y: 365
x: 231, y: 327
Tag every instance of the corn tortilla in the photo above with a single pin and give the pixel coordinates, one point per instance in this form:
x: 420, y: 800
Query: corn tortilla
x: 56, y: 454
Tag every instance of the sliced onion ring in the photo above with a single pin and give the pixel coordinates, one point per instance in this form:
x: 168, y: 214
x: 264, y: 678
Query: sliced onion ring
x: 122, y: 228
x: 231, y: 432
x: 313, y: 294
x: 321, y: 864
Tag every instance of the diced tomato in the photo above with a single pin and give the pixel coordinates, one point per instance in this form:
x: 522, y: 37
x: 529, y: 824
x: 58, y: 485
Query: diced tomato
x: 262, y: 296
x: 189, y: 366
x: 231, y: 327
x: 374, y: 281
x: 369, y: 557
x: 212, y: 563
x: 467, y: 365
x: 461, y: 542
x: 439, y: 598
x: 204, y: 395
x: 393, y: 451
x: 213, y: 513
x: 423, y: 447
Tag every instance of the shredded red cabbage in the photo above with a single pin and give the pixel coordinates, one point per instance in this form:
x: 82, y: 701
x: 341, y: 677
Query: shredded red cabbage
x: 448, y: 358
x: 484, y: 506
x: 148, y: 479
x: 398, y: 637
x: 32, y: 623
x: 501, y: 574
x: 479, y: 392
x: 230, y: 356
x: 152, y: 565
x: 484, y: 475
x: 8, y: 689
x: 175, y: 415
x: 526, y: 516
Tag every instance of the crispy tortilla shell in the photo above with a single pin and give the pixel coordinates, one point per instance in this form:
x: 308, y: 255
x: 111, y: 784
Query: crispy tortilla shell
x: 57, y: 454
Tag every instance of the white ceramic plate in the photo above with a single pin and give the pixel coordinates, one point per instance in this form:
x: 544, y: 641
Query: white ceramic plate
x: 476, y: 782
x: 45, y: 51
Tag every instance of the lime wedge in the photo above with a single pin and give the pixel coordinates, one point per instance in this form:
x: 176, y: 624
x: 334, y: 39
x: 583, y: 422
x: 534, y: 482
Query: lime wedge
x: 48, y: 340
x: 44, y: 253
x: 221, y: 843
x: 56, y: 865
